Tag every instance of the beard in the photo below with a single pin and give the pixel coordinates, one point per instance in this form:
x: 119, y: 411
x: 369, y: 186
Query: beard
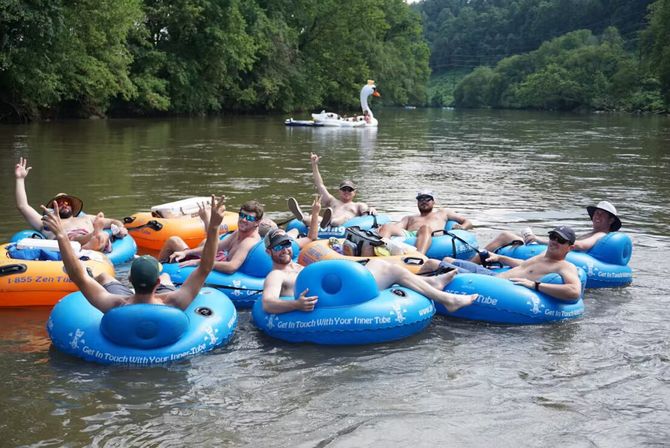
x: 65, y: 213
x: 425, y: 208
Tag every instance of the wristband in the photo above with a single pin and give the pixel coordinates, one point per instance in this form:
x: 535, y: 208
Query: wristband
x: 537, y: 286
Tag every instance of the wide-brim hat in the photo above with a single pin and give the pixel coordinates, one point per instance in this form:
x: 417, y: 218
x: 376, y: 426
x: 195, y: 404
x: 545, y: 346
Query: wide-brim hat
x: 609, y: 208
x: 77, y: 204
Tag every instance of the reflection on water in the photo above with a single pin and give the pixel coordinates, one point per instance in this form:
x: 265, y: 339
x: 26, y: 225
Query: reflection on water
x: 599, y: 381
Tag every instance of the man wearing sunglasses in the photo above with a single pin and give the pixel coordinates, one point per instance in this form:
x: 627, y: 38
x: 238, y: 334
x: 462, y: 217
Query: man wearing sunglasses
x: 281, y: 280
x: 528, y: 272
x: 231, y: 251
x: 423, y: 224
x: 88, y: 230
x: 105, y: 292
x: 339, y: 210
x: 604, y: 219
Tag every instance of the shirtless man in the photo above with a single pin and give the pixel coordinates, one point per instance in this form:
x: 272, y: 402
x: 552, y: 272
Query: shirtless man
x: 144, y: 271
x: 425, y: 223
x: 231, y: 252
x: 281, y: 280
x: 528, y: 272
x: 338, y: 211
x: 604, y: 219
x: 88, y: 230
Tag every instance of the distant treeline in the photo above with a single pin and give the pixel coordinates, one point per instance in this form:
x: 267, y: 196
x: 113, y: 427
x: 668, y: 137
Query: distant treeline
x: 144, y: 57
x: 549, y: 54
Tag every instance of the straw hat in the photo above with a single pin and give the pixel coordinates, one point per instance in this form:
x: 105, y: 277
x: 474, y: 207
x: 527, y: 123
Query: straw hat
x: 77, y: 204
x: 609, y: 208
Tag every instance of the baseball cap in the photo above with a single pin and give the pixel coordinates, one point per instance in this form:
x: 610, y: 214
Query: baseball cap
x: 425, y: 192
x: 565, y: 232
x: 347, y: 183
x: 275, y: 237
x: 144, y: 272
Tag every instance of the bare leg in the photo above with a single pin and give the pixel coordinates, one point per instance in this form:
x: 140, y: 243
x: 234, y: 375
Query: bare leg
x: 387, y: 274
x: 391, y: 229
x: 502, y: 239
x: 172, y: 245
x: 165, y: 279
x: 423, y: 239
x: 98, y: 239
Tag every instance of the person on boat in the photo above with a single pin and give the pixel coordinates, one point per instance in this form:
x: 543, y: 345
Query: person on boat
x: 338, y: 211
x: 281, y: 280
x: 423, y: 224
x: 88, y: 230
x: 105, y: 292
x: 604, y: 219
x: 528, y: 272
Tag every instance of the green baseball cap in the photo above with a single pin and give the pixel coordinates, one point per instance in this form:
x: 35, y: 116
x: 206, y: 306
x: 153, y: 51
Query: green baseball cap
x: 144, y: 272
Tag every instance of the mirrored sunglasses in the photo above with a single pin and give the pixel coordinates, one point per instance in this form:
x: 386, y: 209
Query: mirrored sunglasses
x: 248, y: 218
x: 281, y: 246
x: 347, y: 189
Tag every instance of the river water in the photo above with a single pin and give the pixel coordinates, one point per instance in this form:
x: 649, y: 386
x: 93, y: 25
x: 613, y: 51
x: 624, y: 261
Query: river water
x: 603, y: 380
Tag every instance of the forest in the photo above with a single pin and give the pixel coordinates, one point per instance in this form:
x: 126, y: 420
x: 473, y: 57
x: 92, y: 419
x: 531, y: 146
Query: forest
x: 83, y: 58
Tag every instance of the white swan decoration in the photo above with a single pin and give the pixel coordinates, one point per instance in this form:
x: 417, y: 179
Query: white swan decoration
x: 332, y: 119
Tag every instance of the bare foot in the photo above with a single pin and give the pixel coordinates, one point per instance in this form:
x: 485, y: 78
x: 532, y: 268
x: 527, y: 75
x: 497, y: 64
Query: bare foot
x: 455, y: 302
x: 442, y: 280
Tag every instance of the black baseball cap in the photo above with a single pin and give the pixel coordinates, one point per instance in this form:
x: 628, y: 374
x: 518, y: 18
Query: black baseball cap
x: 275, y: 237
x: 564, y: 232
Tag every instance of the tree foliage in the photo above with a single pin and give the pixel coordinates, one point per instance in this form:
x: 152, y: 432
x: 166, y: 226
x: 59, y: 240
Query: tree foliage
x: 82, y: 57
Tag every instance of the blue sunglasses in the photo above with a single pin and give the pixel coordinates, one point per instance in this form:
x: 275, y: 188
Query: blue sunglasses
x: 281, y: 246
x: 248, y: 218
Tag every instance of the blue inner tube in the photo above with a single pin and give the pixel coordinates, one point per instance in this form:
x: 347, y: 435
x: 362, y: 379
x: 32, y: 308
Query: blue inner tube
x: 460, y: 244
x: 350, y: 308
x: 123, y: 249
x: 365, y: 222
x: 243, y: 287
x: 605, y: 264
x: 501, y: 301
x: 141, y: 334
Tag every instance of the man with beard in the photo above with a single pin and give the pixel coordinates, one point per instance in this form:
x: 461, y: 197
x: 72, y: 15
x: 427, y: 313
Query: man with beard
x: 281, y: 280
x: 88, y: 230
x: 338, y: 211
x: 528, y: 272
x: 604, y: 219
x: 233, y: 250
x: 425, y: 223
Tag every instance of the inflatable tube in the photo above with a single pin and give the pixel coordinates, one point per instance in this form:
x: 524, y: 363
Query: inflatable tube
x: 501, y: 301
x: 365, y: 222
x: 141, y: 334
x: 323, y: 250
x: 350, y: 309
x: 40, y: 282
x: 606, y: 263
x: 460, y: 244
x: 150, y: 232
x: 123, y: 249
x: 243, y: 287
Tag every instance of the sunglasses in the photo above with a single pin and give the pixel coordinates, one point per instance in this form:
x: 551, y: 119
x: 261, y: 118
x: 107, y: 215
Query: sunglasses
x: 63, y: 202
x: 281, y: 246
x: 558, y: 238
x: 424, y: 198
x: 248, y: 218
x: 347, y: 189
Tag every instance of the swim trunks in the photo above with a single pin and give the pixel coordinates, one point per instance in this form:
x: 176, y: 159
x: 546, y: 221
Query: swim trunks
x: 118, y: 288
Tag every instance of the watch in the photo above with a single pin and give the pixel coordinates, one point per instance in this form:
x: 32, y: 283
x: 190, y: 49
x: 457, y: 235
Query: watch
x: 537, y: 286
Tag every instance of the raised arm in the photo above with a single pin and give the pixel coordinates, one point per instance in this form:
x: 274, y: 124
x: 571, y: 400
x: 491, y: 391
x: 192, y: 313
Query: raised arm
x: 183, y: 297
x: 318, y: 181
x: 313, y: 229
x: 29, y: 214
x: 92, y: 290
x: 271, y: 296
